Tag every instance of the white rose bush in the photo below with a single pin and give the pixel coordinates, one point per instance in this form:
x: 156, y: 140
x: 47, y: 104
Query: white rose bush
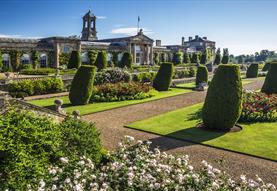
x: 134, y: 166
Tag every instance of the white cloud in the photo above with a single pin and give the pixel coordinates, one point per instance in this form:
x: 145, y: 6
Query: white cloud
x: 101, y: 17
x: 18, y: 36
x: 130, y: 31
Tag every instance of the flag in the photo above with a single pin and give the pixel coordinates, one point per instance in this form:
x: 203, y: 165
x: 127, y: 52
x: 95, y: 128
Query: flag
x: 138, y: 19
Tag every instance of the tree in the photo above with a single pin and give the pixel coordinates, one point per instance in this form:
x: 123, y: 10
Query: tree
x: 35, y: 59
x: 270, y: 85
x: 156, y: 58
x: 15, y: 60
x: 217, y: 59
x: 223, y: 103
x: 195, y: 57
x: 178, y: 58
x: 64, y: 58
x: 163, y: 57
x: 115, y: 58
x: 205, y: 57
x: 101, y: 60
x: 164, y: 76
x: 225, y: 58
x: 252, y: 71
x: 186, y: 58
x: 75, y: 60
x: 201, y: 75
x: 92, y: 55
x: 82, y: 85
x: 1, y: 61
x: 126, y: 60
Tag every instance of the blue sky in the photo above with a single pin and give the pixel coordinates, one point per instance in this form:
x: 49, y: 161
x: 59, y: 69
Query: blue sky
x: 243, y: 26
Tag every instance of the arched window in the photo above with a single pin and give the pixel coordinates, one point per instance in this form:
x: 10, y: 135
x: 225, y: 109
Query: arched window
x: 84, y: 57
x: 43, y: 61
x: 25, y: 59
x: 120, y: 55
x: 6, y: 60
x: 110, y: 56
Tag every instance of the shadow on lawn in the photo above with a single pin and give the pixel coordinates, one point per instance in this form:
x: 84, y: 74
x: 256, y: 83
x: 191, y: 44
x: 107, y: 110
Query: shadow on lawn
x: 185, y: 137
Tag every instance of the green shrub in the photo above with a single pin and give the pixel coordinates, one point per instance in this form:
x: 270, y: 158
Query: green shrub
x: 1, y: 61
x: 101, y: 60
x: 92, y: 55
x: 30, y: 144
x: 192, y: 72
x: 121, y: 92
x: 114, y: 75
x: 126, y: 60
x: 39, y: 71
x: 223, y: 103
x: 75, y: 60
x: 25, y: 88
x: 201, y: 75
x: 26, y: 67
x: 178, y: 58
x: 35, y: 59
x: 164, y: 76
x: 144, y: 77
x: 82, y: 85
x: 266, y: 67
x: 252, y: 71
x: 270, y: 83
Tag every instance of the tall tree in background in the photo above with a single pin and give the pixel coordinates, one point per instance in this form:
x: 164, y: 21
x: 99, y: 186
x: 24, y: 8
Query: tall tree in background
x: 195, y: 58
x: 205, y: 57
x: 225, y: 58
x: 178, y: 58
x: 1, y: 61
x: 35, y: 59
x: 186, y: 58
x: 217, y: 59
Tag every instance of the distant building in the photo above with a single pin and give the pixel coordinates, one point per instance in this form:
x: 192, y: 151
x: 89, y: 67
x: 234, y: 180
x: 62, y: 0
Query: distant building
x: 140, y: 46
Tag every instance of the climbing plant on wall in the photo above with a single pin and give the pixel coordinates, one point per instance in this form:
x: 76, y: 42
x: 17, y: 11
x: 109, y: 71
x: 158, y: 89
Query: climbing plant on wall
x: 115, y: 58
x: 35, y: 59
x: 1, y: 61
x: 15, y: 59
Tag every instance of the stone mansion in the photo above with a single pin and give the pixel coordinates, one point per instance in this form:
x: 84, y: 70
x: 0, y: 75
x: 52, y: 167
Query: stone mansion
x: 140, y: 46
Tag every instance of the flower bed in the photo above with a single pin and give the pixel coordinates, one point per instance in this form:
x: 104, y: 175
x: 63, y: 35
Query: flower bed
x: 121, y: 92
x: 114, y: 75
x: 139, y: 168
x: 259, y: 107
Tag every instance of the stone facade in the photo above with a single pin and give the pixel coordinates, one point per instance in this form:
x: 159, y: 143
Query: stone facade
x: 49, y: 49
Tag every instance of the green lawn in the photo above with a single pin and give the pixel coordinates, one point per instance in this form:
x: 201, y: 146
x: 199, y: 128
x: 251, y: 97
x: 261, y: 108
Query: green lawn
x: 259, y: 139
x: 101, y: 106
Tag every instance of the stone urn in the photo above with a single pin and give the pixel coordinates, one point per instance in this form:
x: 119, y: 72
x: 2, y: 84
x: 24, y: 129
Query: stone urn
x: 58, y: 106
x: 76, y: 114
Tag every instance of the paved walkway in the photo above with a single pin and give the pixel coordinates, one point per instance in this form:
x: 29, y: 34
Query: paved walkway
x: 111, y: 125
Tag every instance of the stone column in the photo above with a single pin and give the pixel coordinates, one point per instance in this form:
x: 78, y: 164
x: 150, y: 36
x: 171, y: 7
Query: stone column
x: 134, y: 53
x: 147, y: 55
x: 151, y: 55
x: 57, y: 54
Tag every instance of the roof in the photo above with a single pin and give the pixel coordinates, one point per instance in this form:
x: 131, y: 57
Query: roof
x: 89, y: 14
x: 199, y: 39
x: 139, y: 35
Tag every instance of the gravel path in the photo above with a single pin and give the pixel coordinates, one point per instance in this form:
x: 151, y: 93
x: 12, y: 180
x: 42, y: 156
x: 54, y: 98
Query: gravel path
x: 111, y: 125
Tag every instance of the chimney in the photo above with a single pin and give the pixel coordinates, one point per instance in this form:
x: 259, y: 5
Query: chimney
x: 205, y: 38
x: 190, y: 38
x: 196, y: 36
x: 183, y: 41
x: 158, y: 43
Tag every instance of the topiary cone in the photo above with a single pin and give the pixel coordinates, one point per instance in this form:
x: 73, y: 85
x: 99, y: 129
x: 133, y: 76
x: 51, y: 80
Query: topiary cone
x: 223, y: 103
x: 270, y: 83
x: 201, y: 75
x: 164, y: 76
x: 82, y: 85
x: 252, y: 71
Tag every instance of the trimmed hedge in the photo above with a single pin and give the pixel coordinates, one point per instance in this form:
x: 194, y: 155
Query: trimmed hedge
x: 201, y: 75
x: 266, y: 67
x: 164, y: 76
x: 75, y: 60
x: 144, y: 77
x: 25, y: 88
x: 82, y: 85
x: 126, y: 60
x: 101, y: 61
x: 270, y: 83
x: 223, y: 103
x: 39, y: 71
x: 113, y: 76
x: 252, y: 71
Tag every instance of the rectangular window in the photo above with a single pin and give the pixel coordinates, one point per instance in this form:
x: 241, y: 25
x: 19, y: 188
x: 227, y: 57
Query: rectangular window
x: 138, y: 58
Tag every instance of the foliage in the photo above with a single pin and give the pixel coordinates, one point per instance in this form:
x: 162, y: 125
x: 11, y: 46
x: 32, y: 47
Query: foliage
x: 217, y: 59
x: 184, y: 73
x: 101, y: 60
x: 82, y: 85
x: 144, y: 77
x: 164, y: 76
x: 113, y: 75
x: 196, y: 57
x: 223, y: 103
x: 1, y: 61
x: 270, y: 83
x: 92, y: 55
x: 177, y: 58
x: 15, y: 60
x: 38, y: 71
x: 266, y: 67
x: 121, y: 92
x: 115, y: 59
x: 75, y: 60
x: 201, y: 75
x: 262, y: 56
x: 64, y: 58
x: 25, y: 67
x: 35, y: 59
x: 252, y: 71
x: 186, y: 58
x: 139, y: 167
x: 225, y: 57
x: 258, y: 107
x: 29, y: 144
x: 126, y: 60
x: 156, y: 58
x: 25, y: 88
x: 205, y: 57
x: 163, y: 57
x: 192, y: 72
